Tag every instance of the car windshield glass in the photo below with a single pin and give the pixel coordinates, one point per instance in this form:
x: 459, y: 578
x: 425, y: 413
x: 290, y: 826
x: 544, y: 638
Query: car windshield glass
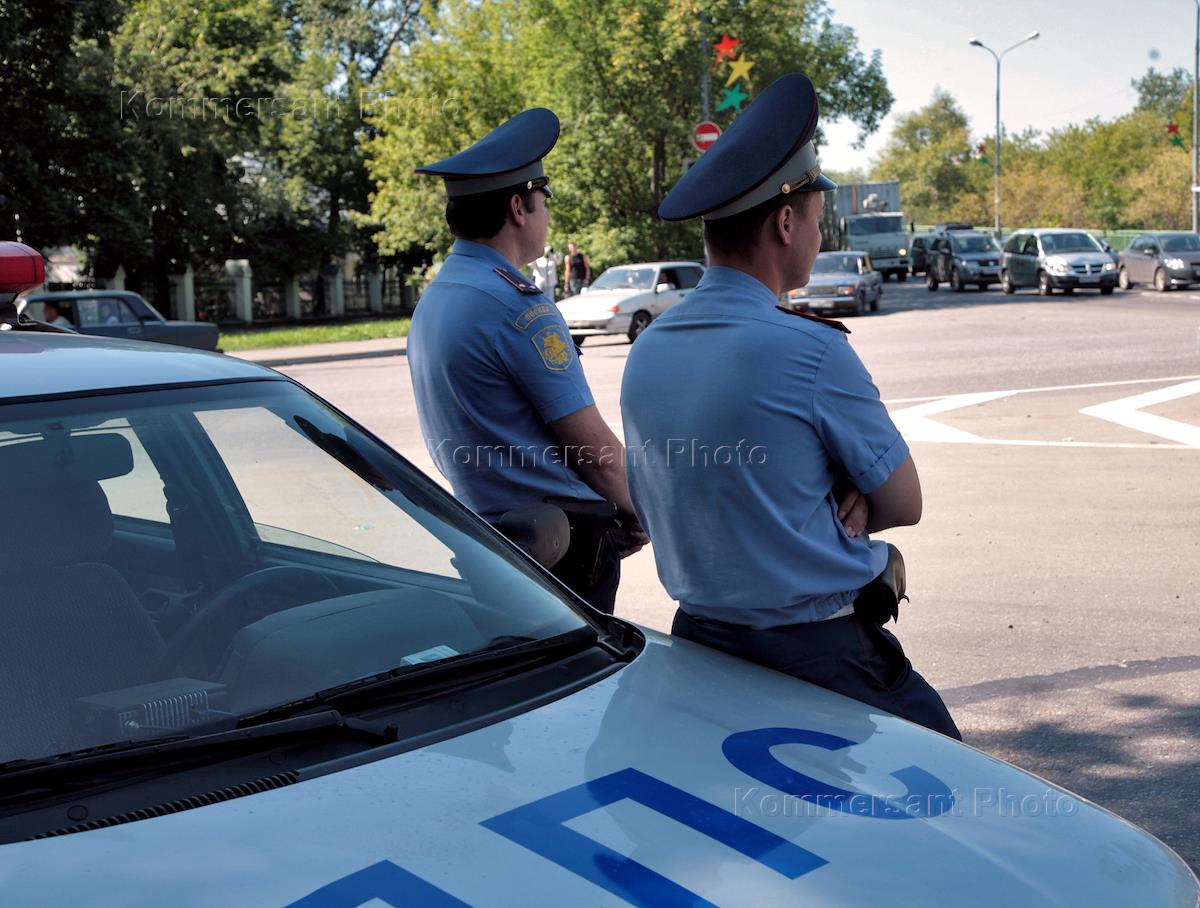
x: 882, y: 223
x: 189, y: 555
x: 1069, y: 242
x: 974, y: 244
x: 1182, y: 242
x: 625, y: 279
x: 827, y: 262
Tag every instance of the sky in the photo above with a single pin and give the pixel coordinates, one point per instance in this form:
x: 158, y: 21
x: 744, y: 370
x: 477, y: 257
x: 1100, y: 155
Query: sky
x: 1079, y: 68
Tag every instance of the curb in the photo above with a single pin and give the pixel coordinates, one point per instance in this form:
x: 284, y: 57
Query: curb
x: 308, y: 359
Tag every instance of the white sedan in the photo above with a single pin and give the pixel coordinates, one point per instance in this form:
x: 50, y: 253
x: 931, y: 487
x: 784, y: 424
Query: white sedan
x: 626, y: 298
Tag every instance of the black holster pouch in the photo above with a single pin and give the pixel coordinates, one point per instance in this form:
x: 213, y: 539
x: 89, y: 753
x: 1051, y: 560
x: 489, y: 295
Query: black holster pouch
x: 880, y: 599
x: 590, y: 523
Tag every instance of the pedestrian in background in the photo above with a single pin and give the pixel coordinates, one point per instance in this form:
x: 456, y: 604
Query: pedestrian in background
x: 578, y: 271
x: 545, y: 271
x: 765, y: 455
x: 504, y: 406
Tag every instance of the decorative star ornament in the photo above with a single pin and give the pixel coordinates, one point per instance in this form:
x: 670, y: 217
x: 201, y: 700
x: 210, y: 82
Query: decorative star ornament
x: 1172, y: 129
x: 725, y: 47
x: 739, y: 69
x: 982, y: 147
x: 733, y: 97
x: 1177, y: 140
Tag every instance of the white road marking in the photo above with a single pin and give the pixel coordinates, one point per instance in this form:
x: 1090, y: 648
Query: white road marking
x: 915, y: 425
x: 1128, y: 412
x: 1096, y: 384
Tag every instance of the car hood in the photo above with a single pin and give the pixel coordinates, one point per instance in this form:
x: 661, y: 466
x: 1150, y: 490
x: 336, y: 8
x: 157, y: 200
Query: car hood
x: 1191, y: 257
x: 1081, y: 258
x: 585, y: 304
x: 832, y: 278
x: 979, y: 256
x: 652, y: 787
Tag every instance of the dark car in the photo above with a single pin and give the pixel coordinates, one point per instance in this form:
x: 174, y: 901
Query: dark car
x: 1166, y: 260
x: 121, y: 313
x: 918, y: 252
x: 963, y: 257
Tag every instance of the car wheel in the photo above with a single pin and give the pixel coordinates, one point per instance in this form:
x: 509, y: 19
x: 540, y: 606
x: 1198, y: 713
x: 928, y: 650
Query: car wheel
x: 1160, y: 281
x: 861, y: 308
x: 875, y: 302
x: 578, y: 339
x: 1123, y: 279
x: 1045, y: 288
x: 930, y: 281
x: 639, y: 323
x: 1006, y: 283
x: 956, y: 281
x: 1106, y: 290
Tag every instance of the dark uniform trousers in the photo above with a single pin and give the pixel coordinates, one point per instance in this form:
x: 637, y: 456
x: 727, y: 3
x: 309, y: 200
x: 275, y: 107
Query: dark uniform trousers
x: 592, y: 573
x: 849, y: 655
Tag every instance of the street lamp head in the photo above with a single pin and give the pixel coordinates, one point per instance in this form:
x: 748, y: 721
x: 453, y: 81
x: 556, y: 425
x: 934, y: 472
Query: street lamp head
x: 975, y: 42
x: 1032, y: 35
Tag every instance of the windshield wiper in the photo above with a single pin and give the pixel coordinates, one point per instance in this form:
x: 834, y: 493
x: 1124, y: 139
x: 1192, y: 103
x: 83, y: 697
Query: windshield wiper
x: 500, y: 658
x: 81, y: 768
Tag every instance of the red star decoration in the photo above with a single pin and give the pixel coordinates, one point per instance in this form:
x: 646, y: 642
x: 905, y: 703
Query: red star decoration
x: 1172, y: 129
x: 725, y: 47
x: 982, y: 147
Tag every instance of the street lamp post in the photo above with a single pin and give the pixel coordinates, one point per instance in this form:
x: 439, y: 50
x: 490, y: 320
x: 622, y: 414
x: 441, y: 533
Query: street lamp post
x: 975, y: 42
x: 1195, y: 118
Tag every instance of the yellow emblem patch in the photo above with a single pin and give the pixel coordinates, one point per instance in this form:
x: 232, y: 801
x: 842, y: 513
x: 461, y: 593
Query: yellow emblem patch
x: 555, y: 347
x: 533, y: 313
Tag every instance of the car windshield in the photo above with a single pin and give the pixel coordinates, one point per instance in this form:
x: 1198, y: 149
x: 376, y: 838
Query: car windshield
x: 1181, y: 242
x: 625, y: 278
x: 873, y: 224
x: 831, y: 262
x: 176, y: 557
x: 974, y: 244
x: 1069, y: 242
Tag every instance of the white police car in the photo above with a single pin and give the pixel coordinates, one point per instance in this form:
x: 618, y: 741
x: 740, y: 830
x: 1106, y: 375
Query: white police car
x: 252, y: 657
x: 627, y: 298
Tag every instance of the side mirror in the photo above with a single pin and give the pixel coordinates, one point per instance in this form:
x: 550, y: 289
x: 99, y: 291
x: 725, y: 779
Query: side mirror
x: 541, y: 530
x: 584, y: 289
x: 664, y: 288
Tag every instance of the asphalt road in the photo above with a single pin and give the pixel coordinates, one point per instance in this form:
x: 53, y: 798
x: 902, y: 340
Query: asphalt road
x: 1054, y: 575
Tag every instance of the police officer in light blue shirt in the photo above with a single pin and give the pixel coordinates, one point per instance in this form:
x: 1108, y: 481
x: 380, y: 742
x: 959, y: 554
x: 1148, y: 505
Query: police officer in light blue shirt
x: 504, y: 406
x: 760, y: 456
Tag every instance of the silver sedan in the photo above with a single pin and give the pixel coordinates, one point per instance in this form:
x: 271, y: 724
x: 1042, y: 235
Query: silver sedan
x: 840, y: 283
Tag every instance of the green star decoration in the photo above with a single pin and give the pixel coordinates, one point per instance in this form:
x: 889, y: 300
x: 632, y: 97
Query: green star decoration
x: 1176, y: 140
x: 733, y: 97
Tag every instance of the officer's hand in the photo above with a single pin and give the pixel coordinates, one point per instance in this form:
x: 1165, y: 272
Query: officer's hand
x: 852, y: 510
x: 631, y: 538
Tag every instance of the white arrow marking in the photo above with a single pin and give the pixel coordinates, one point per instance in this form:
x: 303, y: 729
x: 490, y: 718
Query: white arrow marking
x: 914, y: 423
x: 1127, y: 412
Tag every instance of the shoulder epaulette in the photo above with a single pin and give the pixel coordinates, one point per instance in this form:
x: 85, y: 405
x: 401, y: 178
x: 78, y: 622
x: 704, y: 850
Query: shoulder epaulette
x: 517, y: 279
x: 832, y: 323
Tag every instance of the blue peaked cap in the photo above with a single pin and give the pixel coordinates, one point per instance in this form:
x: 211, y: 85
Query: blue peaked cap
x: 509, y: 155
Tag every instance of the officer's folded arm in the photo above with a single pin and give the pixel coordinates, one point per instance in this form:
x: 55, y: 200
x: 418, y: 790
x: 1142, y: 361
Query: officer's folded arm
x: 896, y: 503
x: 598, y: 456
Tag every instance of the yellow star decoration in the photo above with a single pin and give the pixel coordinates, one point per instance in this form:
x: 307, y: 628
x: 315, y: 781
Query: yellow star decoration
x: 739, y: 69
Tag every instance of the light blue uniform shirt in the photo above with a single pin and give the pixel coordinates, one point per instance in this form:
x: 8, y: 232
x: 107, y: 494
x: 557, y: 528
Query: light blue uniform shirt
x: 739, y: 418
x: 492, y: 364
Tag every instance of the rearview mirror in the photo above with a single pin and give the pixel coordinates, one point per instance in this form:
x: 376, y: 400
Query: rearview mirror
x: 541, y: 530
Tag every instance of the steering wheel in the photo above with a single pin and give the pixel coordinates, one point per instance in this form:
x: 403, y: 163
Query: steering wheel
x: 198, y: 647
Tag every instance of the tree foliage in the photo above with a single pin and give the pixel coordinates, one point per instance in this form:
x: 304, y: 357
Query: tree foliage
x: 624, y: 80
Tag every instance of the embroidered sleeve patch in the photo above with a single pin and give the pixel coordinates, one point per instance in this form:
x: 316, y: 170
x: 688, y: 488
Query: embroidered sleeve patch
x: 555, y: 347
x: 533, y: 313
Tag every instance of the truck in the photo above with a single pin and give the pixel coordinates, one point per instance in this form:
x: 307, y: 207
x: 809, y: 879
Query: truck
x: 866, y: 217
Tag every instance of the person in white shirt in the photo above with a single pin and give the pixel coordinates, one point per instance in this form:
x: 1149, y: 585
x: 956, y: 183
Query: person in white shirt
x: 545, y: 271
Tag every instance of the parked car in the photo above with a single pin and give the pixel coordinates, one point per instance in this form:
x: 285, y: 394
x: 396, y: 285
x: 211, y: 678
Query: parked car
x: 840, y: 283
x: 1056, y: 259
x: 254, y: 657
x: 1167, y: 260
x: 919, y: 252
x: 626, y: 298
x: 120, y: 313
x: 962, y: 257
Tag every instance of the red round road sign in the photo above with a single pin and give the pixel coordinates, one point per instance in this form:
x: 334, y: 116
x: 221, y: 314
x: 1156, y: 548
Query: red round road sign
x: 705, y: 134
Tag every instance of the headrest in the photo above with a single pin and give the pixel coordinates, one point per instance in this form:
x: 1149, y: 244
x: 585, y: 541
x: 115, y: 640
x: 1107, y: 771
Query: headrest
x: 52, y: 510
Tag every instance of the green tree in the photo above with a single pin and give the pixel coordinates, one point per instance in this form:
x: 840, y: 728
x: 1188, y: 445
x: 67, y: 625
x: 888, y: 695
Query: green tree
x: 1165, y: 94
x: 624, y: 80
x: 929, y: 152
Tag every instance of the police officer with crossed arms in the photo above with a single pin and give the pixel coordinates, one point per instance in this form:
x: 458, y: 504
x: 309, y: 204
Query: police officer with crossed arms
x: 504, y: 406
x: 765, y: 455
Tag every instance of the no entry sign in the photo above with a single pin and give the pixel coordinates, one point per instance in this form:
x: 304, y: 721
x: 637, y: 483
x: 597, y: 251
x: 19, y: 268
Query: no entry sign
x: 705, y: 134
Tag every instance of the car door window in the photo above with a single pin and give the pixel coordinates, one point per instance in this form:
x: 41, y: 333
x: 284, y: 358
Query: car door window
x: 688, y: 277
x: 1031, y: 246
x: 668, y: 276
x: 105, y: 312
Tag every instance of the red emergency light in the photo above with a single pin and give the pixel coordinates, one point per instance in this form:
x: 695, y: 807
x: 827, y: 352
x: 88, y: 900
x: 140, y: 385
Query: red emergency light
x: 21, y: 269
